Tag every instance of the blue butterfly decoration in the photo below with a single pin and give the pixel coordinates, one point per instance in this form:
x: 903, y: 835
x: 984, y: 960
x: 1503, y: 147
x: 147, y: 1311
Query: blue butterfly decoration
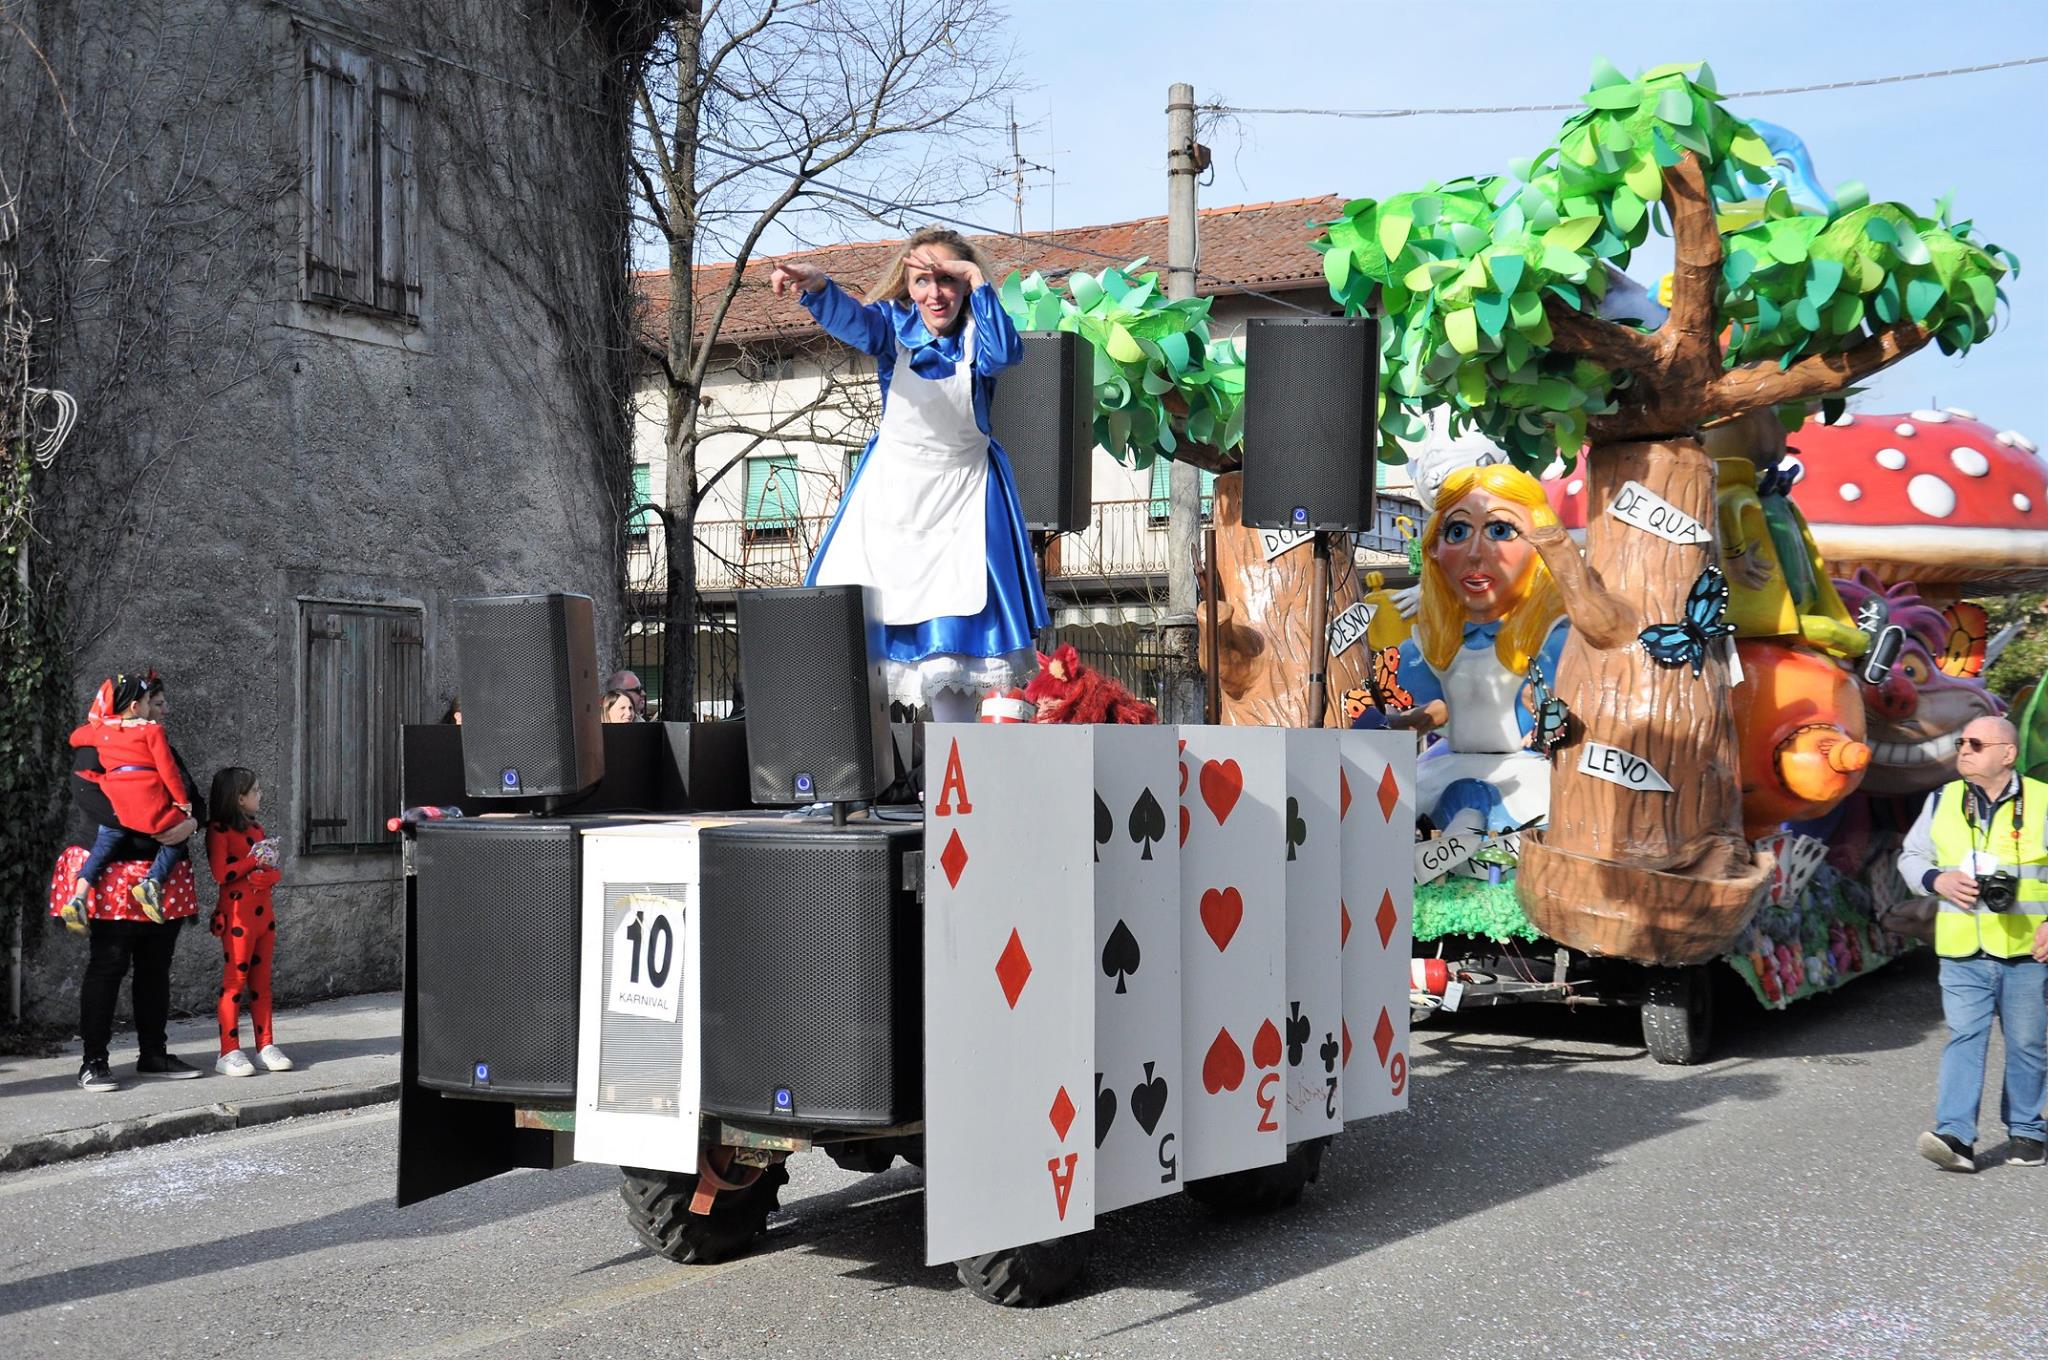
x: 1679, y: 644
x: 1779, y: 479
x: 1552, y: 718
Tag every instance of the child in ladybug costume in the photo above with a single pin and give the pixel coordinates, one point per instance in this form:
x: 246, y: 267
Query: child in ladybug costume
x: 244, y: 863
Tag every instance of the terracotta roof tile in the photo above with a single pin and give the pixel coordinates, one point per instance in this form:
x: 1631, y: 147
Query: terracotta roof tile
x: 1250, y: 246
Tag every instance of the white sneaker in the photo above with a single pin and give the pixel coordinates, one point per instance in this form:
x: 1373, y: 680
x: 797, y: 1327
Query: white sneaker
x: 273, y: 1059
x: 234, y: 1063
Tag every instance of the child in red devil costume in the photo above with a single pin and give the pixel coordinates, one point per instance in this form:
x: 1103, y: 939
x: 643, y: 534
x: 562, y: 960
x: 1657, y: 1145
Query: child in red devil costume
x: 140, y: 778
x: 245, y: 865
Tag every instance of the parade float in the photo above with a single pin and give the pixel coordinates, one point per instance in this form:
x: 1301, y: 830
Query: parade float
x: 1715, y: 701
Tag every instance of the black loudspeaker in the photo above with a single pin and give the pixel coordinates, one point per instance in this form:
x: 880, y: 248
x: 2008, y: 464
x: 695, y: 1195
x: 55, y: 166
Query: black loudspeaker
x: 1311, y: 440
x: 1043, y: 415
x: 530, y: 692
x: 817, y: 705
x: 812, y: 949
x: 495, y: 947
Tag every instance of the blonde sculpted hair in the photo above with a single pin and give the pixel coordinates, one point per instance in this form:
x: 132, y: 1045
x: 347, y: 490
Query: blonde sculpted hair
x: 1529, y: 620
x: 894, y: 286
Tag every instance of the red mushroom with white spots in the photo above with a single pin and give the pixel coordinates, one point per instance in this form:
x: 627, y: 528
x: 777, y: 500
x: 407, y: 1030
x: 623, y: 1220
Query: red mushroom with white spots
x: 1935, y: 497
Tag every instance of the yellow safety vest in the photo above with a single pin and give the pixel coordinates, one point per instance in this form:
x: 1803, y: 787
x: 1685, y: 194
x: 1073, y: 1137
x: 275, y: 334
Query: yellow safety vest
x: 1958, y: 934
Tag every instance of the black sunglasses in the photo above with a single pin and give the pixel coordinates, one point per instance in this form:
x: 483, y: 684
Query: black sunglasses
x: 1979, y: 744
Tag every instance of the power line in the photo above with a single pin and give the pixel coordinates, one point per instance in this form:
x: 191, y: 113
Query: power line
x: 1576, y: 106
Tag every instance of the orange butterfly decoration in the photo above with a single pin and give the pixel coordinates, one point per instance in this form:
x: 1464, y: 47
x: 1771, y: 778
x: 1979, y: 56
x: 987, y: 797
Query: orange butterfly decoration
x: 1969, y: 628
x: 1386, y: 681
x: 1356, y: 702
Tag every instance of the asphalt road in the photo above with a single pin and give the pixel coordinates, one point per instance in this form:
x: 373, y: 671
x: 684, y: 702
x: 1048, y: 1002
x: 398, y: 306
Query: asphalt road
x: 1552, y: 1193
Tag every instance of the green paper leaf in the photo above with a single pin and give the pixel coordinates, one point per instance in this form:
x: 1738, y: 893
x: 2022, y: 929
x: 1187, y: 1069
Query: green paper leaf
x: 1492, y: 310
x: 1751, y: 149
x: 1644, y: 177
x: 1563, y: 262
x: 1737, y: 268
x: 1605, y: 74
x: 1507, y: 268
x: 1571, y: 233
x: 1851, y: 195
x: 1526, y: 310
x: 1086, y: 291
x: 1821, y: 282
x: 1121, y: 345
x: 1911, y: 248
x: 1661, y: 149
x: 1922, y: 297
x: 1337, y: 270
x: 1675, y: 106
x: 1878, y: 229
x: 1393, y: 232
x: 1461, y: 328
x: 1806, y: 314
x: 1626, y: 95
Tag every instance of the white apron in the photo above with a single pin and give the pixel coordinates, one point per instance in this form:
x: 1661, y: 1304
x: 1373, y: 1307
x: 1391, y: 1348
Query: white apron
x: 914, y: 529
x: 1483, y: 739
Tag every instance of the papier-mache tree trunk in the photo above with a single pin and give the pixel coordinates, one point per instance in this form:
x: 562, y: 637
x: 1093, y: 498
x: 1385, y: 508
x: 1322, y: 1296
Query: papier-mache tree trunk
x: 1268, y: 648
x: 1641, y: 872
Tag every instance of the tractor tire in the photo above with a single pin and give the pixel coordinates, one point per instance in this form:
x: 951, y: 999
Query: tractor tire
x: 1030, y: 1275
x: 1263, y: 1189
x: 1678, y: 1016
x: 658, y: 1207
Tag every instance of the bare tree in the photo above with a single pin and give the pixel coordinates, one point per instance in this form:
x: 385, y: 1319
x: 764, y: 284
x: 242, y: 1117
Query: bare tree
x: 773, y: 121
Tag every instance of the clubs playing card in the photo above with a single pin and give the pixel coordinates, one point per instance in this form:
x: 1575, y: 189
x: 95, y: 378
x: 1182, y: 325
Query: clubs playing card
x: 1376, y: 805
x: 1137, y: 973
x: 1010, y: 951
x: 1233, y: 800
x: 1315, y: 978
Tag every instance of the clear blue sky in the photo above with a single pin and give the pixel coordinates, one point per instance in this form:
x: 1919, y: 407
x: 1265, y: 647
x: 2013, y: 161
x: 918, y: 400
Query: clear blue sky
x: 1101, y: 69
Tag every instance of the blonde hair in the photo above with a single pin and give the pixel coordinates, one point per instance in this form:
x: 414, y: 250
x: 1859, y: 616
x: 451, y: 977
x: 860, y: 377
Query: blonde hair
x: 893, y: 286
x: 1529, y: 620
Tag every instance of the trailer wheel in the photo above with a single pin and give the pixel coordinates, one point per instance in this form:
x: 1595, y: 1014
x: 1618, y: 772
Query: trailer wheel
x: 658, y: 1207
x: 1030, y: 1275
x: 1262, y: 1189
x: 1678, y: 1016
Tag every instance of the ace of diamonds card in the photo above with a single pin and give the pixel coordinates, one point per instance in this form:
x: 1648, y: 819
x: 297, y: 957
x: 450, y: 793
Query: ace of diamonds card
x: 1009, y: 997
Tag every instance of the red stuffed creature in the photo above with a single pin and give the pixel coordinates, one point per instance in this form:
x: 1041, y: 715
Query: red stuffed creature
x: 1068, y: 692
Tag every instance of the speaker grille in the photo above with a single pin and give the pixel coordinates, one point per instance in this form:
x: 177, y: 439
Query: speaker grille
x: 1043, y: 416
x: 496, y: 951
x: 811, y: 947
x: 528, y: 677
x: 817, y: 709
x: 1310, y: 436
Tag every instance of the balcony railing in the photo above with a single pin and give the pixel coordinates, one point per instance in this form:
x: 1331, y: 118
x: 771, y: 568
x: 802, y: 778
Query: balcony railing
x: 1123, y: 539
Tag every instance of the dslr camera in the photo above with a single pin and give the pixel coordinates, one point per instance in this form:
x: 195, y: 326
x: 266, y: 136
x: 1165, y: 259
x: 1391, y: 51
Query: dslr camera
x: 1998, y: 892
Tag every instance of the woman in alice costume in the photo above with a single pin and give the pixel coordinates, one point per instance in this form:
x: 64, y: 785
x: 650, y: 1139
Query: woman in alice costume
x: 930, y: 523
x: 1489, y: 606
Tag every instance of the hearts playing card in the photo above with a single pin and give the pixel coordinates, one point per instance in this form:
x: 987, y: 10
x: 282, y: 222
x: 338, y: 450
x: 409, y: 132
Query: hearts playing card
x: 1137, y: 973
x: 1233, y: 947
x: 1010, y: 956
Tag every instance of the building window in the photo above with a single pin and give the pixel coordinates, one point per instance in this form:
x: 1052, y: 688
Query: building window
x: 362, y: 198
x: 1162, y: 503
x: 363, y: 680
x: 772, y: 500
x: 852, y: 466
x: 643, y: 482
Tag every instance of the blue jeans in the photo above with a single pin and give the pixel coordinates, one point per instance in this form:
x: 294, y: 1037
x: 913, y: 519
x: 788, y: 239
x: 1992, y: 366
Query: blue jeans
x: 103, y: 845
x: 1972, y: 991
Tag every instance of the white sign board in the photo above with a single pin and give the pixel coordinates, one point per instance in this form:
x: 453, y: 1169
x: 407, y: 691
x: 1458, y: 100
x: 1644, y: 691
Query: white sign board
x: 1440, y: 854
x: 646, y: 954
x: 1637, y: 505
x: 1617, y: 766
x: 1276, y: 541
x: 1348, y: 627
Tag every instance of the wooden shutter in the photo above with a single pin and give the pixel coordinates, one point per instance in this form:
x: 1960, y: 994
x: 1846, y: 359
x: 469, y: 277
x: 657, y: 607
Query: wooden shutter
x: 1161, y: 508
x: 643, y: 485
x: 771, y: 493
x: 397, y: 206
x: 363, y: 680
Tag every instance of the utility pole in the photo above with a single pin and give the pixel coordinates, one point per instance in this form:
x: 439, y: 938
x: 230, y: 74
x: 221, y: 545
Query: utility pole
x: 1184, y: 504
x: 1016, y: 169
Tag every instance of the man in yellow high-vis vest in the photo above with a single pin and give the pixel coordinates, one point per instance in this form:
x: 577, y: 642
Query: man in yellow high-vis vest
x: 1980, y: 845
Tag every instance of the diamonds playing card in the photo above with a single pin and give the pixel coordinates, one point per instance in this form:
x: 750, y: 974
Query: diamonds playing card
x: 1010, y: 952
x: 1376, y: 810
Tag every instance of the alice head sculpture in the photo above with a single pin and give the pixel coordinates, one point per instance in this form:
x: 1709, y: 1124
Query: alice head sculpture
x: 1479, y: 566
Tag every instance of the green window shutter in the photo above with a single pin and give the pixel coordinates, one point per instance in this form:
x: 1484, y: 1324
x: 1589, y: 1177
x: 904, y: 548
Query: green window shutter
x: 642, y: 495
x: 771, y: 493
x: 1162, y: 481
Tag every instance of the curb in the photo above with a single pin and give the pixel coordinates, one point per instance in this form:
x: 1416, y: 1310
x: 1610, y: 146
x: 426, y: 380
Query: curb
x: 122, y: 1135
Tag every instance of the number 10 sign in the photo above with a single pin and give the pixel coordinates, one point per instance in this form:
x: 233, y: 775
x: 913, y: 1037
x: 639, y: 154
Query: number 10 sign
x: 645, y: 977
